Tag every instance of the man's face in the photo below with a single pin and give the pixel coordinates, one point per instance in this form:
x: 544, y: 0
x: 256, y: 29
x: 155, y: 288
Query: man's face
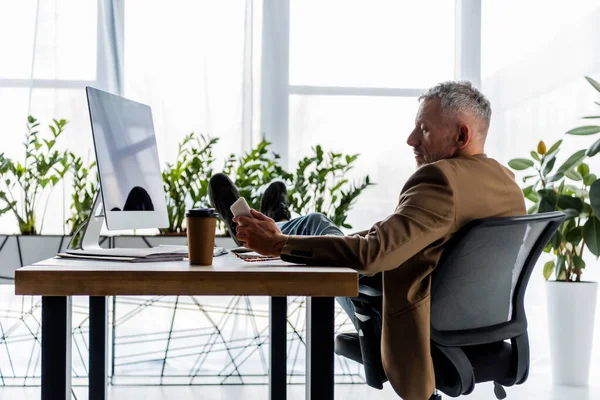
x: 433, y: 137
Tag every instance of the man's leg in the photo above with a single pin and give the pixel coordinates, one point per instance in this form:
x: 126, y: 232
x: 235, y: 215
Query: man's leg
x: 313, y: 224
x: 223, y: 193
x: 316, y: 224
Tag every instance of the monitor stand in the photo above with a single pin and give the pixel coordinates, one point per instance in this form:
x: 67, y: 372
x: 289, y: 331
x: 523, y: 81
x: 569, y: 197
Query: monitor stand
x: 90, y: 242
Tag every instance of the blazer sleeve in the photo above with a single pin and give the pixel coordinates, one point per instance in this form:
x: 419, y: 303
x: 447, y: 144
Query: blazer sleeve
x: 425, y: 213
x: 360, y: 233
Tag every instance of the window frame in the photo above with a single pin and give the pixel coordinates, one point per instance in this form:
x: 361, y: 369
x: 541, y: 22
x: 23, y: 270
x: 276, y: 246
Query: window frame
x: 109, y: 56
x: 276, y: 88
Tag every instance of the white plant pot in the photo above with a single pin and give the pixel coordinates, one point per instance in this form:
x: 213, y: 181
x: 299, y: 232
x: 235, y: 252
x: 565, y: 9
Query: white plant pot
x: 571, y: 313
x: 17, y: 251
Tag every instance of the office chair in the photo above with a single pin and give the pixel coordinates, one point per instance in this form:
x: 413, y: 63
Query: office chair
x: 478, y: 321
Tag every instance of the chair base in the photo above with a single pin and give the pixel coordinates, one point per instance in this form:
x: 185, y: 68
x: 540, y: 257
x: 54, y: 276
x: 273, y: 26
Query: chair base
x: 499, y: 391
x: 435, y: 396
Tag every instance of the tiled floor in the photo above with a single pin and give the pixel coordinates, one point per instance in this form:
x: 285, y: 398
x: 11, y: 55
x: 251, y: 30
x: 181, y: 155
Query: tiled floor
x: 537, y: 387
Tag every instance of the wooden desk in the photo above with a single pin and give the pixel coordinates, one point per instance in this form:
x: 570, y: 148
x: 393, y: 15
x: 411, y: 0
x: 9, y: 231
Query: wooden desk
x: 58, y: 279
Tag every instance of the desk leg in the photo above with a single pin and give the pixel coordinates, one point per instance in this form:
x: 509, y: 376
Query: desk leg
x: 98, y: 355
x: 319, y: 348
x: 278, y: 349
x: 56, y: 348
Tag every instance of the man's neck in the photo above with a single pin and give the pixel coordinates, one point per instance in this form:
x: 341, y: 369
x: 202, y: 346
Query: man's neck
x: 470, y: 152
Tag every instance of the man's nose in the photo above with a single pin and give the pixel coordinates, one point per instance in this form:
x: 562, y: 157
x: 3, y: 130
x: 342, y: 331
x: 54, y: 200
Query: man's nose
x: 412, y: 139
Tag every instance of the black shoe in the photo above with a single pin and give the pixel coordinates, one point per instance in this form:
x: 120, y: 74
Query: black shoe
x: 222, y: 194
x: 274, y: 203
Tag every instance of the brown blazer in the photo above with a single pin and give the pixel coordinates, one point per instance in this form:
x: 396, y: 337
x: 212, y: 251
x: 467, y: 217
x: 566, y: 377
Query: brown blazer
x: 435, y: 202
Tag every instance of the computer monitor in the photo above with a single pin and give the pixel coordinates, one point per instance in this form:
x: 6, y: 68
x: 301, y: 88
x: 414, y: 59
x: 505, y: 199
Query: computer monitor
x: 127, y: 160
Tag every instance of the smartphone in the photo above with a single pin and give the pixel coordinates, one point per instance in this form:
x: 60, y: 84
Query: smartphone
x: 240, y: 208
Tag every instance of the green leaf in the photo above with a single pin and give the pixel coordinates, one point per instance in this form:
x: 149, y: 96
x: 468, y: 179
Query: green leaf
x: 574, y: 235
x: 560, y: 267
x: 565, y: 201
x: 584, y: 130
x: 520, y: 164
x: 535, y: 156
x: 594, y: 149
x: 583, y: 169
x: 553, y: 148
x: 589, y: 179
x: 528, y: 177
x: 556, y: 177
x: 529, y: 194
x: 595, y: 197
x: 548, y: 268
x: 548, y: 200
x: 578, y: 261
x: 548, y: 165
x: 572, y: 161
x: 593, y: 82
x: 591, y: 235
x: 573, y: 175
x: 556, y: 240
x: 561, y: 188
x: 548, y: 248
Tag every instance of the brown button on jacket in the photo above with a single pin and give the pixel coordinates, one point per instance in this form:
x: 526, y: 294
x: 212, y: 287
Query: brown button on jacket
x: 435, y: 202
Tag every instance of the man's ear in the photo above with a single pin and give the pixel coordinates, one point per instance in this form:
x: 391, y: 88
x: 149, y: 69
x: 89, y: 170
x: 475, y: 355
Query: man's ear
x: 464, y: 136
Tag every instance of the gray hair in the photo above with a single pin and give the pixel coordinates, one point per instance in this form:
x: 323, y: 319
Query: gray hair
x: 461, y: 96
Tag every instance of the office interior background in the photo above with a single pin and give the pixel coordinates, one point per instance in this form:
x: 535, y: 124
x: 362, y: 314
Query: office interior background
x: 342, y: 74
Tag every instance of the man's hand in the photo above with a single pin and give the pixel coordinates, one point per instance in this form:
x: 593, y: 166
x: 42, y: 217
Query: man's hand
x: 260, y: 234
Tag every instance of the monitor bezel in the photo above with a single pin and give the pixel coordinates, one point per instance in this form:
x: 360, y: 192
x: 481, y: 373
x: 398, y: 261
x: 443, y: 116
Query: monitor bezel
x: 127, y: 220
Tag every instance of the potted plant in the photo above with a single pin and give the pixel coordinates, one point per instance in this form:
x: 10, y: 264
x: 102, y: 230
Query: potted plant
x: 24, y: 189
x: 254, y: 171
x: 83, y: 195
x: 575, y: 190
x: 186, y: 180
x: 320, y: 185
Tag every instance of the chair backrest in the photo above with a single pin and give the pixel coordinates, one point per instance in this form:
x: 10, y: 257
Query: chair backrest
x: 478, y: 286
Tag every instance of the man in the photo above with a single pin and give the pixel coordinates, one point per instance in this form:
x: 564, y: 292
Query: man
x: 455, y: 183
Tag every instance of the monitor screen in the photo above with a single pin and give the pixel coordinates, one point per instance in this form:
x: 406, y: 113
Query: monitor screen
x: 128, y: 164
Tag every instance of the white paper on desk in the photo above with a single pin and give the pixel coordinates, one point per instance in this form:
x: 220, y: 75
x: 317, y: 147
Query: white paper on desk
x: 217, y: 251
x: 162, y: 258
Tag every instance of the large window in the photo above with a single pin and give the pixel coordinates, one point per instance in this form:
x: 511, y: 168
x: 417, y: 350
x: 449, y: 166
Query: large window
x: 188, y: 60
x: 381, y: 43
x: 193, y: 62
x: 356, y: 70
x: 48, y: 57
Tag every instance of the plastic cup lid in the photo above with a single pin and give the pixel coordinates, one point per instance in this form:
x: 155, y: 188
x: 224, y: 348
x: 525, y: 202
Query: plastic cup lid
x: 202, y: 212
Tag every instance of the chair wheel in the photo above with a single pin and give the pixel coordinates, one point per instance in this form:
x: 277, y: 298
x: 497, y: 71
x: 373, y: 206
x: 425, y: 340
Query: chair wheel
x: 499, y: 391
x: 435, y: 396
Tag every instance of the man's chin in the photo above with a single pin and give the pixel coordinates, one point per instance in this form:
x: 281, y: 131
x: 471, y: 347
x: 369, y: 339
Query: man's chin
x: 420, y: 161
